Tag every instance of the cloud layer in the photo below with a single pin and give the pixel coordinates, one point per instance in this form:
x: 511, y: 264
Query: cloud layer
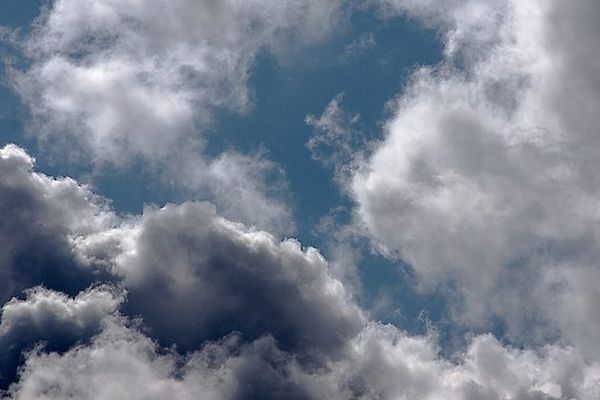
x: 382, y: 363
x: 199, y: 305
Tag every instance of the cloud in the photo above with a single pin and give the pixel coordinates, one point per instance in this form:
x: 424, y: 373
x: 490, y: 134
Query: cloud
x: 123, y: 363
x: 485, y: 183
x: 466, y: 26
x: 41, y: 216
x: 110, y: 84
x: 337, y: 138
x: 357, y: 47
x: 246, y: 188
x: 383, y: 363
x: 53, y: 318
x: 193, y: 275
x: 250, y: 317
x: 190, y: 274
x: 388, y: 364
x: 484, y: 180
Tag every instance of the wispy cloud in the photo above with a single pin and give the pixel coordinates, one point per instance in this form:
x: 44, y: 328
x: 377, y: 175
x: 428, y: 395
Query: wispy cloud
x: 358, y: 47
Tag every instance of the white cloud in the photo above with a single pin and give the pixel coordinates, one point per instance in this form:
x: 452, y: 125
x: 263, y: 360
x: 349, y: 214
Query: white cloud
x: 132, y: 79
x: 247, y: 188
x: 486, y: 183
x: 64, y: 201
x: 111, y: 83
x: 44, y: 309
x: 383, y: 363
x: 387, y: 364
x: 484, y: 180
x: 193, y: 275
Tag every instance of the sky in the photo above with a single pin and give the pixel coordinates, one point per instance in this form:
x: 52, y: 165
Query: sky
x: 299, y: 199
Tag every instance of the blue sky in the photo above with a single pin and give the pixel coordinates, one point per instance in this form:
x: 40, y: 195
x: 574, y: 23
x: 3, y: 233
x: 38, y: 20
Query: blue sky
x: 299, y: 199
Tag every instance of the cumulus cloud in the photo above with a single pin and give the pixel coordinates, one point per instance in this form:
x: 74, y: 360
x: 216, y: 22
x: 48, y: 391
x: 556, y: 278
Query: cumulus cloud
x: 246, y: 188
x: 52, y: 318
x: 485, y: 183
x: 122, y: 363
x: 194, y: 275
x: 484, y: 180
x: 383, y: 363
x: 213, y: 276
x: 387, y: 364
x: 190, y: 274
x: 41, y: 216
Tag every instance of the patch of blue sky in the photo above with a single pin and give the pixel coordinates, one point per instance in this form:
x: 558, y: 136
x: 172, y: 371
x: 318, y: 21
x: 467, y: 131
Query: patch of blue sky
x: 285, y: 92
x: 14, y: 14
x: 369, y: 61
x: 19, y: 13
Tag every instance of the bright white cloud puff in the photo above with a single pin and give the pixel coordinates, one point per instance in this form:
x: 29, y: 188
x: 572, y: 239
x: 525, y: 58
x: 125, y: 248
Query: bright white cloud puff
x: 484, y: 182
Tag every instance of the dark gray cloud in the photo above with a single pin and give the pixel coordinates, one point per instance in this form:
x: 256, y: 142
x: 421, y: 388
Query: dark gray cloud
x: 41, y: 216
x: 193, y: 276
x: 52, y: 319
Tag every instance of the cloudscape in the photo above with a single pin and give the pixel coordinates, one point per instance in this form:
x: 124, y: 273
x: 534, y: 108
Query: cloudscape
x: 300, y: 199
